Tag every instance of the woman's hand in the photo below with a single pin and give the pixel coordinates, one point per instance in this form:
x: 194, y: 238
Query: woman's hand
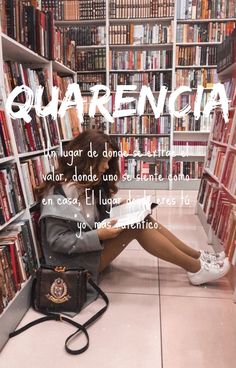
x: 107, y: 231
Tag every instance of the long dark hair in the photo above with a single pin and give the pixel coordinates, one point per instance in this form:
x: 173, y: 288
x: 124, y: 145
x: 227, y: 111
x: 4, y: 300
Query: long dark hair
x: 100, y: 143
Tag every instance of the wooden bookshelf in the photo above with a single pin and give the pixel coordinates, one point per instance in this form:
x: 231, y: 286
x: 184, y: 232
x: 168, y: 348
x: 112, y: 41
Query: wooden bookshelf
x: 197, y: 43
x: 165, y: 46
x: 215, y: 168
x: 15, y: 311
x: 182, y: 12
x: 62, y: 69
x: 12, y: 50
x: 207, y: 20
x: 196, y: 67
x: 119, y: 21
x: 140, y: 71
x: 79, y: 22
x: 164, y: 21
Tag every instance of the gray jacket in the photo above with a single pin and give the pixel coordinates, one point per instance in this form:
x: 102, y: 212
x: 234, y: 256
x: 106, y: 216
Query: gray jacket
x: 67, y: 238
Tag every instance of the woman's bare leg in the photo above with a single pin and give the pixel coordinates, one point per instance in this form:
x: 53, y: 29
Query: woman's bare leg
x: 176, y: 241
x: 152, y: 241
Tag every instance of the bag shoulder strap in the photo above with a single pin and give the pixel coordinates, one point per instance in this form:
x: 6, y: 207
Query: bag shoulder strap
x: 80, y: 328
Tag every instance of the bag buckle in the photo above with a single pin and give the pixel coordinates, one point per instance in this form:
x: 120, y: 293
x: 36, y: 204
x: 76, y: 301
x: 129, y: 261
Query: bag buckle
x: 59, y: 269
x: 89, y: 275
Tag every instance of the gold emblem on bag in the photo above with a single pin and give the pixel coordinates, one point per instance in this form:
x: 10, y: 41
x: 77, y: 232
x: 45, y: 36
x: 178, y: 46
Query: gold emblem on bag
x: 60, y: 269
x: 58, y: 292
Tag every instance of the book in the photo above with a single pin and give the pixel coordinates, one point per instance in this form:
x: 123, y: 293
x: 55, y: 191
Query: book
x: 131, y: 212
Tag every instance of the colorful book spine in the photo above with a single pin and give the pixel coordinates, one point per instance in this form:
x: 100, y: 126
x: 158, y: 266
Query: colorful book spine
x: 204, y: 9
x: 140, y: 60
x: 145, y: 124
x: 140, y: 34
x: 226, y: 52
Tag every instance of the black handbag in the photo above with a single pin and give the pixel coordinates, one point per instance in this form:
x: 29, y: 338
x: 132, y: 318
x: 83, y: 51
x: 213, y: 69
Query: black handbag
x: 57, y: 290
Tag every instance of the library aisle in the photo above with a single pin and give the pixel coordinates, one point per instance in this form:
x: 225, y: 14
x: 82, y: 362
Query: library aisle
x: 155, y: 318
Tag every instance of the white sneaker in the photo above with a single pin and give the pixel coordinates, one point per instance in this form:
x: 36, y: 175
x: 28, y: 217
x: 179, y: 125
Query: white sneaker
x: 212, y: 256
x: 209, y: 272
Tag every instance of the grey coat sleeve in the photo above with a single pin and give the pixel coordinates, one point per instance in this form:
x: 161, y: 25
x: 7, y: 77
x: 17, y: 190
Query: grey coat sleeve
x: 62, y: 239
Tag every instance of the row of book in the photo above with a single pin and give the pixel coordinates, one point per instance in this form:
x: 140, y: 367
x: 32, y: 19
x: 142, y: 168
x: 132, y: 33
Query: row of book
x: 194, y: 78
x: 192, y: 170
x: 141, y: 9
x: 204, y: 32
x: 140, y: 34
x: 220, y: 213
x: 215, y: 159
x: 5, y: 142
x: 196, y: 55
x: 75, y: 9
x: 87, y: 35
x: 36, y: 135
x: 87, y: 102
x: 233, y: 142
x: 133, y: 105
x: 226, y: 52
x: 230, y: 236
x: 86, y: 81
x: 35, y: 29
x: 230, y: 89
x: 11, y: 196
x: 17, y: 260
x: 141, y: 169
x: 198, y: 9
x: 143, y: 145
x: 189, y: 148
x: 69, y: 124
x: 98, y: 123
x: 64, y: 47
x: 16, y: 74
x: 207, y: 196
x: 229, y: 173
x: 219, y: 224
x: 188, y: 123
x: 154, y: 79
x: 186, y: 9
x: 141, y: 125
x: 221, y: 129
x: 91, y: 60
x: 140, y: 60
x: 62, y: 83
x: 29, y: 26
x: 40, y: 132
x: 34, y: 171
x: 182, y: 170
x: 189, y: 99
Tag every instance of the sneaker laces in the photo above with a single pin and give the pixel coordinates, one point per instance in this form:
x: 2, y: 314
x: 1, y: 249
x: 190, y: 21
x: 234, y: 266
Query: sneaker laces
x: 215, y: 265
x: 208, y: 256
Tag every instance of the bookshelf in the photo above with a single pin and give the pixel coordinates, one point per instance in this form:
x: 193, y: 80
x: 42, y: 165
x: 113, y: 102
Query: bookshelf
x: 14, y: 52
x: 198, y: 27
x: 216, y: 206
x: 125, y: 25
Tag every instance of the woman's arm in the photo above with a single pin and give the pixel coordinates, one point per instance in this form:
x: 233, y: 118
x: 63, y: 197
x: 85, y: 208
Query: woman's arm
x: 62, y: 239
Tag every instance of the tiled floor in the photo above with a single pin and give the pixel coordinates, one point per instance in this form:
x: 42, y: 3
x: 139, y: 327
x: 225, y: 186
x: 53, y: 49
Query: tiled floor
x: 155, y: 318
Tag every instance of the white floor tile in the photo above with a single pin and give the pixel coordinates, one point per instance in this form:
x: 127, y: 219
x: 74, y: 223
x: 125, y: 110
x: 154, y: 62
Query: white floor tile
x: 132, y: 272
x: 198, y: 332
x: 124, y: 337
